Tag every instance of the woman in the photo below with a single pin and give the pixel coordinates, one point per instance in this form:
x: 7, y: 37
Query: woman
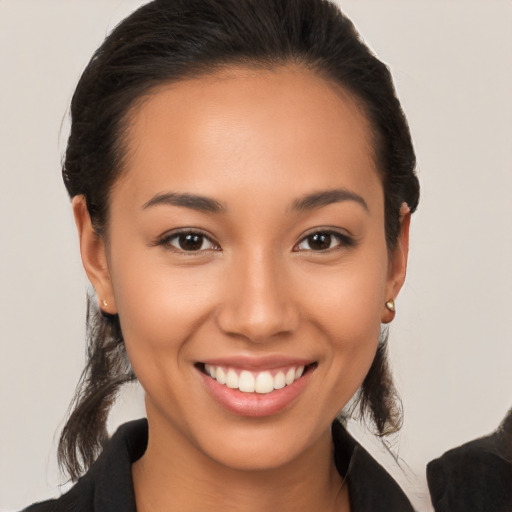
x: 242, y: 179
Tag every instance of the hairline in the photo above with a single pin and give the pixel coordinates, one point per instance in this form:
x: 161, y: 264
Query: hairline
x: 215, y: 70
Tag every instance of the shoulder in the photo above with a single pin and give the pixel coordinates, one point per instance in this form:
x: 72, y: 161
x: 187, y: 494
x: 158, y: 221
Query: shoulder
x: 57, y: 505
x: 370, y: 485
x: 45, y: 506
x: 78, y: 499
x: 474, y: 476
x: 107, y: 486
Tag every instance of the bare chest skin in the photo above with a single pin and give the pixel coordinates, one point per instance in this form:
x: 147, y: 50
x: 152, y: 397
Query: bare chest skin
x: 154, y: 496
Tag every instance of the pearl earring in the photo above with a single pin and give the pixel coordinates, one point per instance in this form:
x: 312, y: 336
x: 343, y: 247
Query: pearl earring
x: 390, y: 304
x: 104, y: 302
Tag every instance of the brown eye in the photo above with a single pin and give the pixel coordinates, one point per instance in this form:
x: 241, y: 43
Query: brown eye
x: 319, y: 241
x: 189, y: 242
x: 323, y: 241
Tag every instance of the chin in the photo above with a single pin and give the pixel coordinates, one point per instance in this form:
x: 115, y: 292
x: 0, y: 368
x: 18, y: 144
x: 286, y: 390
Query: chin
x: 262, y: 447
x: 256, y: 457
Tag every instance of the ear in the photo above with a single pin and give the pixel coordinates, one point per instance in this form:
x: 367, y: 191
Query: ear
x: 397, y: 267
x: 94, y: 256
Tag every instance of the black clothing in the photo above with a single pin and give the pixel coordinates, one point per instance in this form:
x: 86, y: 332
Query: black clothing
x: 108, y: 487
x: 475, y: 477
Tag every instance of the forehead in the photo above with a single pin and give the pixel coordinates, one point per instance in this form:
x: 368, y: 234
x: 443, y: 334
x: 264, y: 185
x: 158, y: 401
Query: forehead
x: 281, y: 130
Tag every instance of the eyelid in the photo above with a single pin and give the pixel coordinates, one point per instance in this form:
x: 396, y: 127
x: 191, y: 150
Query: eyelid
x: 164, y: 239
x: 345, y: 239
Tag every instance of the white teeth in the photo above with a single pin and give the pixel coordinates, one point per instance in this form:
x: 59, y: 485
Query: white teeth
x: 246, y: 382
x: 232, y: 379
x: 279, y: 380
x: 221, y: 376
x: 264, y: 383
x: 251, y: 382
x: 290, y: 376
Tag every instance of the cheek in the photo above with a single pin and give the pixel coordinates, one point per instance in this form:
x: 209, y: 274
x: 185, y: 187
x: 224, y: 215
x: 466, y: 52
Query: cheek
x: 160, y: 306
x: 350, y: 298
x: 347, y: 306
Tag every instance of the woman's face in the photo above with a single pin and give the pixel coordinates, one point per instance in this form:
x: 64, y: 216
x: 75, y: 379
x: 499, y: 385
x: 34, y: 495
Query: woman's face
x: 246, y: 241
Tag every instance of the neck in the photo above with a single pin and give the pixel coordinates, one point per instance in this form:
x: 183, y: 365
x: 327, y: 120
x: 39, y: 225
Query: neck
x: 173, y: 475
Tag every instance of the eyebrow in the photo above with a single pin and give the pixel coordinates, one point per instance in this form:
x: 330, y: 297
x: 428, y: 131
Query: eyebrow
x: 208, y: 205
x: 192, y: 201
x: 326, y: 197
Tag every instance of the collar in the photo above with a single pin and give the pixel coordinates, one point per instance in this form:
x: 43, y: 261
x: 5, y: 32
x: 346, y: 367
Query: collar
x: 108, y: 486
x: 370, y: 486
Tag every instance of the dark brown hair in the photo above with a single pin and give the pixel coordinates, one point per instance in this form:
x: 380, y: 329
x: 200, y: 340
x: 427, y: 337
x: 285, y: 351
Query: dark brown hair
x: 170, y: 40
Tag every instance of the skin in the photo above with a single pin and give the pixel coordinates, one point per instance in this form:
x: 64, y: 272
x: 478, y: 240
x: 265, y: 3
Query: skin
x: 256, y: 141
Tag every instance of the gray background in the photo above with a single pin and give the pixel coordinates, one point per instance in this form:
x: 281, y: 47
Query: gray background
x: 451, y: 342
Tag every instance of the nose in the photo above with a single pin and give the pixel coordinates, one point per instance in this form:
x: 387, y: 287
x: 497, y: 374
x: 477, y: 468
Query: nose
x: 259, y: 301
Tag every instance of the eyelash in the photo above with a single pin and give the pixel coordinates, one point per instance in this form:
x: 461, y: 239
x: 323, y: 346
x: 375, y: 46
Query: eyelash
x: 342, y: 239
x: 165, y: 241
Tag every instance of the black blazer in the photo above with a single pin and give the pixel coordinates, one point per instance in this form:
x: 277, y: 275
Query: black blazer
x: 107, y: 486
x: 475, y: 477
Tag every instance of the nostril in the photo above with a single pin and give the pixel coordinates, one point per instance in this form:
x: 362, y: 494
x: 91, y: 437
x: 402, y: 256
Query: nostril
x: 257, y: 314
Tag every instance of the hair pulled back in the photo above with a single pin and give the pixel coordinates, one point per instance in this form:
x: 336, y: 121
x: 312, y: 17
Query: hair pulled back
x: 170, y: 40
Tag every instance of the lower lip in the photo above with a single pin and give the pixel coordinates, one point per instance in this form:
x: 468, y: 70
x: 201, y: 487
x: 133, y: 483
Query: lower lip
x: 254, y: 404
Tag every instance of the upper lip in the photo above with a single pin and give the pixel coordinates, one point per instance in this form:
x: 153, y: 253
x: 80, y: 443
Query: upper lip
x: 258, y: 363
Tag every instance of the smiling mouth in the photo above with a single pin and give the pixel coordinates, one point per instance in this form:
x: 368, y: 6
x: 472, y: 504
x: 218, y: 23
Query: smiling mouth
x: 261, y: 382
